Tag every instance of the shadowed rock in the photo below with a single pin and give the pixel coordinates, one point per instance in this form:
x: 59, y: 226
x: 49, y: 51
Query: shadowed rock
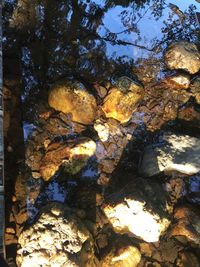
x: 174, y: 153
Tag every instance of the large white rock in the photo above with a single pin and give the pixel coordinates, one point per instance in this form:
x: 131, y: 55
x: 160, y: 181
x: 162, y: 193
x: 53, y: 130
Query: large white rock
x: 183, y: 55
x: 139, y: 210
x: 178, y: 153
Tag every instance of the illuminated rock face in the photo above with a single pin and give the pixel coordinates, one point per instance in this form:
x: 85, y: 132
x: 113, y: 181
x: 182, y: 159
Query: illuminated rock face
x: 181, y: 81
x: 130, y: 216
x: 58, y: 239
x: 128, y: 256
x: 102, y: 130
x: 72, y: 97
x: 174, y: 153
x: 183, y: 55
x: 137, y: 210
x: 122, y: 100
x: 73, y: 154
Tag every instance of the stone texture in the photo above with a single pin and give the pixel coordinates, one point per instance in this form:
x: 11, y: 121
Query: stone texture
x: 187, y: 224
x: 73, y: 98
x: 183, y: 55
x: 58, y: 238
x: 128, y: 256
x: 195, y: 88
x: 187, y: 259
x: 130, y: 209
x: 72, y: 153
x: 102, y: 130
x: 122, y: 100
x: 179, y: 81
x: 178, y: 153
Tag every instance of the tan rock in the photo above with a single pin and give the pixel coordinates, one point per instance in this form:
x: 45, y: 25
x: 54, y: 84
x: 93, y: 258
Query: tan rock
x: 58, y: 238
x: 127, y: 210
x: 187, y: 259
x: 72, y: 97
x: 128, y: 256
x: 102, y: 130
x: 74, y: 154
x: 121, y: 101
x: 187, y: 224
x: 178, y: 81
x: 183, y: 55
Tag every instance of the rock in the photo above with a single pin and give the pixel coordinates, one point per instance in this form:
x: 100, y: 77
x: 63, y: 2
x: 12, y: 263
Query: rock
x: 175, y: 188
x: 72, y: 153
x: 72, y: 97
x: 187, y: 224
x: 195, y: 88
x: 189, y: 114
x: 192, y: 189
x: 187, y: 259
x: 131, y: 208
x: 122, y: 100
x: 178, y: 153
x: 181, y: 81
x: 183, y: 55
x: 58, y: 238
x: 102, y: 241
x: 101, y: 90
x: 102, y: 130
x: 128, y: 256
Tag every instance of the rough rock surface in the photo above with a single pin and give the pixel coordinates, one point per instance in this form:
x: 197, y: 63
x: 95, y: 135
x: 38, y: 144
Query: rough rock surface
x: 122, y: 100
x: 73, y: 154
x: 187, y: 224
x: 102, y: 130
x: 187, y: 259
x: 195, y: 88
x: 173, y: 153
x: 128, y: 256
x: 183, y: 55
x: 58, y: 238
x: 130, y: 209
x: 178, y: 81
x: 72, y: 97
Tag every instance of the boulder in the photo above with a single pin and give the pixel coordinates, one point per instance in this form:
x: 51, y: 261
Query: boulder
x: 183, y: 55
x: 103, y: 130
x: 73, y: 154
x: 122, y: 100
x: 174, y: 152
x: 131, y: 208
x: 58, y: 238
x: 72, y: 97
